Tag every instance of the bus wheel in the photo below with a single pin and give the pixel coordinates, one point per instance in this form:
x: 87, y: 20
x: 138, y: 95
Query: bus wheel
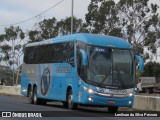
x: 112, y: 109
x: 71, y: 105
x: 35, y: 99
x: 30, y: 96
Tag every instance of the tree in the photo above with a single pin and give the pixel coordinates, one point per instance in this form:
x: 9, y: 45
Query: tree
x: 137, y: 21
x: 12, y: 48
x: 44, y: 30
x: 152, y: 69
x: 49, y: 28
x: 140, y: 23
x: 64, y: 26
x: 102, y: 18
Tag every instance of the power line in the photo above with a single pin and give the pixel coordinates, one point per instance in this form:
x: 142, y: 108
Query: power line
x: 33, y: 16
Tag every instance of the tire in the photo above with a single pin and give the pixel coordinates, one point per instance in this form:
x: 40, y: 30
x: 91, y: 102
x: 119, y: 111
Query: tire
x: 35, y: 99
x: 71, y: 105
x: 30, y: 96
x: 112, y: 109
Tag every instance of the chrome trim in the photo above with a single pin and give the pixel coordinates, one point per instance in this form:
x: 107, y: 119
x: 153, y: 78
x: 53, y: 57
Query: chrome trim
x: 112, y: 95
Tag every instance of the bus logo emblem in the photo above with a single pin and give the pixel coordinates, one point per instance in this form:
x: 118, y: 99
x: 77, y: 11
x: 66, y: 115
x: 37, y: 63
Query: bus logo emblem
x: 116, y: 80
x: 45, y: 81
x: 101, y: 90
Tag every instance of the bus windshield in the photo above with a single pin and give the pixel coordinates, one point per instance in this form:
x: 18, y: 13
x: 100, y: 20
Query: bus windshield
x: 110, y: 68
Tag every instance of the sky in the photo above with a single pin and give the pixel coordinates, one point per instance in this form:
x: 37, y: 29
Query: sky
x: 13, y: 11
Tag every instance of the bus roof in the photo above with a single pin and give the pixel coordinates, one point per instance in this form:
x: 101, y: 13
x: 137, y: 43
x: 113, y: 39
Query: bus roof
x: 93, y: 39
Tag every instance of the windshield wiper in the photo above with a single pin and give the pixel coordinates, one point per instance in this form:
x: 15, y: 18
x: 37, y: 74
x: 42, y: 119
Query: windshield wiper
x: 103, y: 79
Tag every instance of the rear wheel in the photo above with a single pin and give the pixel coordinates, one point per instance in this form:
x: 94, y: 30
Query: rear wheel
x: 30, y: 96
x: 36, y: 100
x: 71, y: 105
x: 112, y: 109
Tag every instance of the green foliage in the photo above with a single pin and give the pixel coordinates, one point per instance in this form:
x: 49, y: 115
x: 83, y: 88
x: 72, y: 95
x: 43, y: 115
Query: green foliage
x: 11, y: 48
x: 140, y: 21
x: 64, y: 26
x: 2, y: 37
x: 46, y: 29
x: 102, y: 18
x: 34, y: 35
x: 5, y: 48
x: 49, y: 28
x: 11, y: 51
x: 13, y: 33
x: 152, y: 69
x: 137, y: 21
x: 6, y: 72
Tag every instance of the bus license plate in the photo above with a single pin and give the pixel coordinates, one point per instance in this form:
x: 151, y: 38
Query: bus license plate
x: 111, y: 102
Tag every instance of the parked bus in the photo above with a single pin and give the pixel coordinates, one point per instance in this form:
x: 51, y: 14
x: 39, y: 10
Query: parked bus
x: 80, y: 69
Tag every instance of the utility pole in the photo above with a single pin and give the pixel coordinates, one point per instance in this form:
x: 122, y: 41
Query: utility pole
x: 13, y: 50
x: 72, y: 17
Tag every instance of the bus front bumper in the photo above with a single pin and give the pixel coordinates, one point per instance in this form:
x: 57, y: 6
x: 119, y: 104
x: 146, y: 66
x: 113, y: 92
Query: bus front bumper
x: 95, y: 100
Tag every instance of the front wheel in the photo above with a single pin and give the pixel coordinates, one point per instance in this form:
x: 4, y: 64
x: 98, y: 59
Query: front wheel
x: 112, y: 109
x: 36, y: 100
x: 71, y: 105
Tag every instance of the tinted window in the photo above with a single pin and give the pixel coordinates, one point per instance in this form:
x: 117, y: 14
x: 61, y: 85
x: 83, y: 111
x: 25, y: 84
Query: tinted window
x: 53, y: 53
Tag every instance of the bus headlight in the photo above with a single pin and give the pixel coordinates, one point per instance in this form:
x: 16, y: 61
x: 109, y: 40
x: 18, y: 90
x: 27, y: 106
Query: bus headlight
x: 130, y: 94
x: 90, y: 91
x: 129, y: 102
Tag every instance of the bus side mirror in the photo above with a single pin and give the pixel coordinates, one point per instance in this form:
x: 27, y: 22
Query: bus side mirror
x: 84, y: 57
x: 141, y: 63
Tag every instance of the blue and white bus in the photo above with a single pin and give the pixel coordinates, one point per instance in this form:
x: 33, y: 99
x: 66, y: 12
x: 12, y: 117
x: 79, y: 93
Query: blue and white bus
x: 80, y: 69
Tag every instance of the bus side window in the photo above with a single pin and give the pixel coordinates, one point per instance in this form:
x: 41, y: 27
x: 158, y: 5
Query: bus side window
x: 70, y: 53
x: 31, y: 55
x: 37, y: 55
x: 51, y: 53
